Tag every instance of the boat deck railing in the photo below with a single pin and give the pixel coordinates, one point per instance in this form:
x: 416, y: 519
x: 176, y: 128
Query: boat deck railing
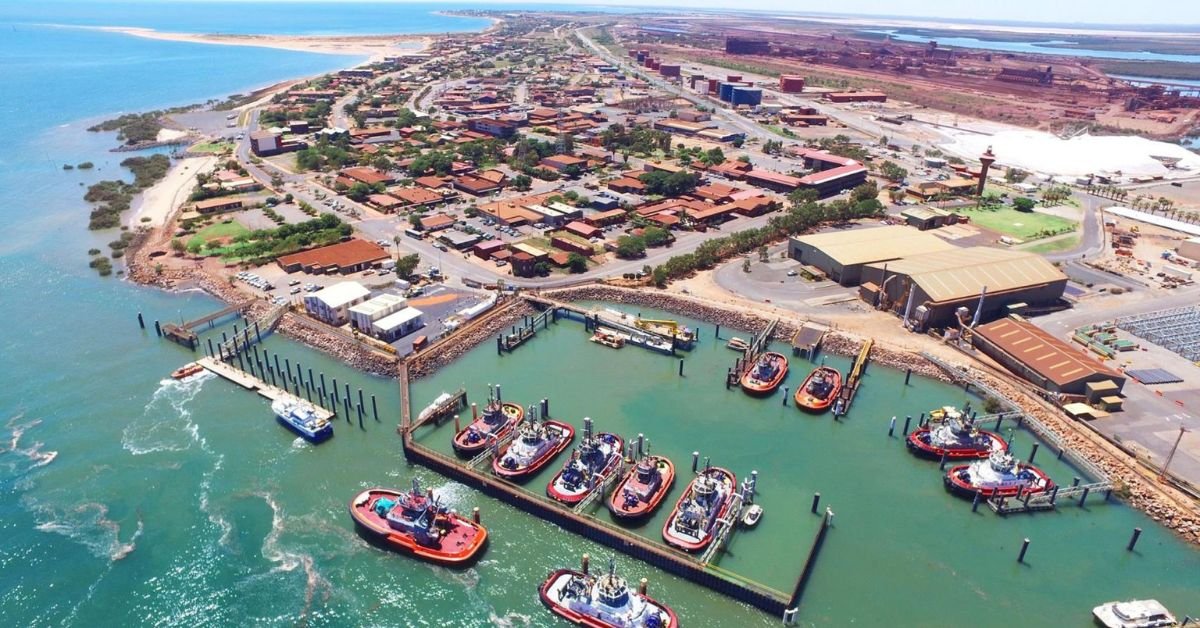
x: 725, y: 526
x: 601, y: 490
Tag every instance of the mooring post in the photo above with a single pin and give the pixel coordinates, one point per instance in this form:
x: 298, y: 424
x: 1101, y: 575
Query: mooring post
x: 1033, y: 453
x: 545, y: 408
x: 273, y: 381
x: 210, y: 348
x: 681, y: 368
x: 499, y: 344
x: 457, y: 426
x: 907, y: 420
x: 892, y: 426
x: 475, y: 514
x: 157, y: 329
x: 975, y: 501
x: 257, y: 334
x: 1083, y: 498
x: 1075, y: 482
x: 728, y: 378
x: 584, y: 564
x: 1024, y: 548
x: 815, y: 502
x: 907, y: 375
x: 717, y: 335
x: 1137, y: 532
x: 374, y: 409
x: 1053, y: 494
x: 999, y: 420
x: 141, y: 321
x: 360, y: 419
x: 695, y: 461
x: 785, y: 395
x: 942, y: 464
x: 334, y: 394
x: 361, y: 403
x: 643, y: 586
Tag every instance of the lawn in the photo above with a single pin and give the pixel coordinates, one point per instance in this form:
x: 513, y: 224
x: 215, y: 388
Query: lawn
x: 229, y: 229
x: 1054, y: 246
x: 1021, y: 225
x: 211, y: 147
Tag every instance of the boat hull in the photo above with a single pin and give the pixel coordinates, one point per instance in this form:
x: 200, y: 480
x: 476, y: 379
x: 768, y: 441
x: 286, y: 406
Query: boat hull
x: 963, y: 488
x: 523, y: 473
x: 610, y: 467
x: 462, y: 447
x: 186, y: 371
x: 473, y: 536
x: 760, y: 388
x: 923, y: 449
x: 581, y: 619
x: 319, y: 436
x: 666, y: 470
x: 810, y: 403
x: 688, y: 545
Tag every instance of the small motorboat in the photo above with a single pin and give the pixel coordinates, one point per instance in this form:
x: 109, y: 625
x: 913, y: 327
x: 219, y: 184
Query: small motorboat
x: 187, y: 370
x: 737, y: 344
x: 1133, y: 614
x: 753, y: 514
x: 416, y: 523
x: 302, y: 418
x: 603, y: 602
x: 766, y: 375
x: 642, y: 489
x: 608, y: 339
x: 819, y: 389
x: 998, y: 476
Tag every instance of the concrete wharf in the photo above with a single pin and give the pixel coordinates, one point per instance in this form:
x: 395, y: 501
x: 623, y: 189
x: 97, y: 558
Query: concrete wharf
x: 593, y: 319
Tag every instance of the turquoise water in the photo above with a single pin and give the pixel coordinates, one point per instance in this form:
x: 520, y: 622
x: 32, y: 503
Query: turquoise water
x: 1049, y: 47
x: 128, y: 500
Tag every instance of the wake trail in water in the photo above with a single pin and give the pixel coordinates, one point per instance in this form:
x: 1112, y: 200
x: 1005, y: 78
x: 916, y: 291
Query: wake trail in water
x: 287, y: 560
x: 166, y: 422
x: 33, y: 453
x: 87, y: 524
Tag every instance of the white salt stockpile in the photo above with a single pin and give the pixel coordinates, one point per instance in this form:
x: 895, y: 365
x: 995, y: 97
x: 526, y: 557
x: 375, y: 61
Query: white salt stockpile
x: 1048, y: 154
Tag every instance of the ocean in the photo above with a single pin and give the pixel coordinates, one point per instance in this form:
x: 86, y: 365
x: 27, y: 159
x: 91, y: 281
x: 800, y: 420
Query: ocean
x: 129, y: 499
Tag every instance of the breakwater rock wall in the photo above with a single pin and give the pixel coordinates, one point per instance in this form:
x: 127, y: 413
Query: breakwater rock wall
x: 456, y: 345
x: 352, y: 352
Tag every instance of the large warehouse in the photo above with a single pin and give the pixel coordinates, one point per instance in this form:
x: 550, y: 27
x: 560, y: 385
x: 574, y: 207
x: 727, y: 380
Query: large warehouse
x: 1042, y: 359
x: 941, y: 282
x: 842, y: 254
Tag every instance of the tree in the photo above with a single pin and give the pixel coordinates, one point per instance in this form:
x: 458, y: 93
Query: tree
x: 576, y: 263
x: 655, y: 236
x: 521, y: 182
x: 630, y: 247
x: 359, y: 191
x: 178, y: 246
x: 892, y: 172
x: 276, y: 180
x: 407, y: 265
x: 763, y: 254
x: 1023, y: 204
x: 414, y: 219
x: 866, y: 191
x: 1015, y: 175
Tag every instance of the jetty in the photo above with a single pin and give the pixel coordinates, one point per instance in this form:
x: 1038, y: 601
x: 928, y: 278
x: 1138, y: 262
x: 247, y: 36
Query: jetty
x: 853, y: 380
x: 758, y: 345
x: 619, y: 323
x: 249, y: 382
x: 184, y: 333
x: 476, y: 474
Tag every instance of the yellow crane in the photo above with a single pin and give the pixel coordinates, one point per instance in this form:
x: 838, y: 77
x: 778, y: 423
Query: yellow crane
x: 656, y: 326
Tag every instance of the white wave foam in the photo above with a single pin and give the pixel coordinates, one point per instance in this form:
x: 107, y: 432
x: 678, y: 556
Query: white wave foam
x: 287, y: 560
x: 170, y: 428
x: 88, y: 524
x: 34, y: 452
x: 510, y: 619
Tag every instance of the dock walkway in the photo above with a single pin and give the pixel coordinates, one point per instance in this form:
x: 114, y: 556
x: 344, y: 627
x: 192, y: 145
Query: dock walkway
x: 249, y: 382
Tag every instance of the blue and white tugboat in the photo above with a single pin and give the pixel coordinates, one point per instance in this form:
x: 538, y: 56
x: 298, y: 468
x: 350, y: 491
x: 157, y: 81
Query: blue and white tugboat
x: 302, y: 418
x: 596, y: 458
x: 604, y: 601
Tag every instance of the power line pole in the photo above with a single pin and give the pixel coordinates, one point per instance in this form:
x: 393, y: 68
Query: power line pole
x: 1162, y: 475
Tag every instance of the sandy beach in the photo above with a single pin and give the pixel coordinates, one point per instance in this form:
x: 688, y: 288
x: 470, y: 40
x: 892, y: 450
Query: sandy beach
x: 377, y: 47
x: 161, y: 200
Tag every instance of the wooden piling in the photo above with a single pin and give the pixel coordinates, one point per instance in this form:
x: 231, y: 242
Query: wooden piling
x: 1137, y: 533
x: 816, y: 501
x: 141, y: 321
x: 1024, y: 548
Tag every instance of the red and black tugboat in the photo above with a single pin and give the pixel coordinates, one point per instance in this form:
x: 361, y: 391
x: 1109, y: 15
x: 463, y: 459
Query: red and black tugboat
x: 692, y: 526
x: 643, y: 488
x: 998, y: 476
x: 603, y: 602
x: 536, y: 443
x: 819, y: 390
x: 596, y: 458
x: 951, y: 434
x: 415, y: 523
x: 766, y: 375
x: 497, y: 421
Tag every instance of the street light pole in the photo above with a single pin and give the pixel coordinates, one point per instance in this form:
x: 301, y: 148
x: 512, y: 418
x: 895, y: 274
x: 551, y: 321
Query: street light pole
x: 1162, y: 475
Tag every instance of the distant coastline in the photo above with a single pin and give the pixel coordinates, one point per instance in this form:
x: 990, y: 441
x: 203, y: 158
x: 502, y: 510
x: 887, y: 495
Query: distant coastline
x: 375, y: 47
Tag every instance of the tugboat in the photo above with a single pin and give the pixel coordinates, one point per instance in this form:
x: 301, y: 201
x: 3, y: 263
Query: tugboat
x: 692, y: 524
x: 766, y: 375
x: 187, y: 370
x: 642, y: 489
x: 498, y: 420
x: 819, y: 390
x: 954, y: 437
x: 998, y: 476
x: 415, y: 523
x: 608, y: 339
x: 1134, y: 614
x: 535, y: 444
x: 302, y: 419
x: 596, y: 458
x: 603, y: 602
